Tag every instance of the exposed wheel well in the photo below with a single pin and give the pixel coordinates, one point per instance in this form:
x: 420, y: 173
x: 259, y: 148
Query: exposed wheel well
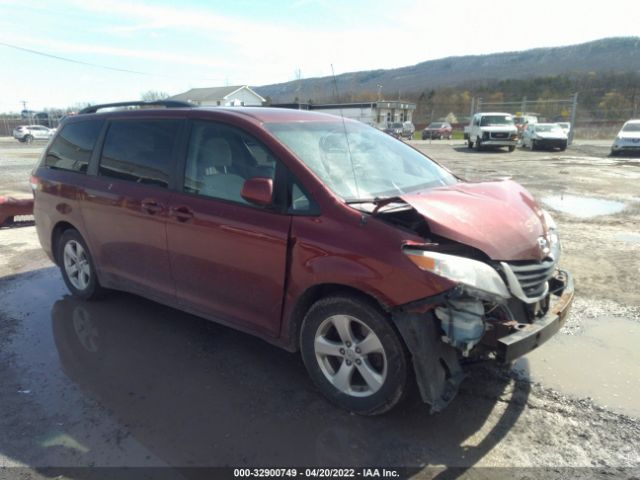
x: 57, y: 232
x: 315, y: 293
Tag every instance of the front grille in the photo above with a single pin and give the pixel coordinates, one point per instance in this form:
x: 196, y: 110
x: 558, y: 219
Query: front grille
x: 500, y: 135
x: 533, y: 276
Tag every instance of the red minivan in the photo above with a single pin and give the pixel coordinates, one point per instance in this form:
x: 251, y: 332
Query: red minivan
x: 313, y: 232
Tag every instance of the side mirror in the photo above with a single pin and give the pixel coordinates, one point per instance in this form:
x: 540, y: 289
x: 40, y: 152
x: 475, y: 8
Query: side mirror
x: 258, y: 190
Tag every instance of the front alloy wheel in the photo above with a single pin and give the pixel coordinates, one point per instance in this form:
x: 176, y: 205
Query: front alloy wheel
x: 350, y: 356
x: 353, y: 354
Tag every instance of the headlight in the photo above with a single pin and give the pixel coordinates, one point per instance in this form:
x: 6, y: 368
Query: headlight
x: 554, y: 239
x: 471, y: 273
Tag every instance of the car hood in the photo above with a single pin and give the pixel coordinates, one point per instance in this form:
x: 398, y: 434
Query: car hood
x: 629, y: 135
x: 499, y: 128
x: 501, y: 219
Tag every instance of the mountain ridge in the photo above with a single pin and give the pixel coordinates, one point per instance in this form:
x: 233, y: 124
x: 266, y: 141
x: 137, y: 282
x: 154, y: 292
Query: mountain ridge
x: 613, y: 54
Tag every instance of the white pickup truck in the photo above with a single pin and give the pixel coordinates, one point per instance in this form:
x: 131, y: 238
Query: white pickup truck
x: 492, y: 130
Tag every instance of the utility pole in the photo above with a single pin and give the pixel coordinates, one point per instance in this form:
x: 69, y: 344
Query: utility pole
x: 574, y: 107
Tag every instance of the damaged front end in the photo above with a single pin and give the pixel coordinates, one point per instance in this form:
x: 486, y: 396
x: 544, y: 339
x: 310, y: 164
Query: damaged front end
x: 498, y: 309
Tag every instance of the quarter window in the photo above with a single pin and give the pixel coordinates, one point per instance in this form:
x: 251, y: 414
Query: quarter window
x: 71, y: 149
x: 140, y: 151
x: 220, y: 158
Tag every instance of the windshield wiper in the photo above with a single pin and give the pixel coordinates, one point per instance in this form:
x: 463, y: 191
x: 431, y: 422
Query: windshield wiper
x: 379, y: 202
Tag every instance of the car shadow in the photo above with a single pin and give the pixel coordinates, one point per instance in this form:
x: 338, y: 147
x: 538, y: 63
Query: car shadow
x: 195, y: 393
x: 465, y: 149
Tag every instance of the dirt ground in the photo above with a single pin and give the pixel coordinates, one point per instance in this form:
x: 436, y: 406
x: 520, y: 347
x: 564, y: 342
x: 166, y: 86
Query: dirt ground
x: 126, y: 382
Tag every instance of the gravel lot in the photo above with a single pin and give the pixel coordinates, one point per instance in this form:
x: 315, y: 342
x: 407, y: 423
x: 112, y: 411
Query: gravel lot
x: 126, y: 382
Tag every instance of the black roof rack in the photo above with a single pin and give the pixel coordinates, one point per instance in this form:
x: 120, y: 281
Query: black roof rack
x: 158, y: 103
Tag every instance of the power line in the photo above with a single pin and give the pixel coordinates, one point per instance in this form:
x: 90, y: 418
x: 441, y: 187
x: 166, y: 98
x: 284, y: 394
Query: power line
x: 88, y: 64
x: 71, y: 60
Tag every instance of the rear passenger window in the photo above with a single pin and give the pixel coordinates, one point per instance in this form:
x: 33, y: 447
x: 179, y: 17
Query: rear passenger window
x: 71, y: 149
x: 221, y: 158
x: 140, y: 151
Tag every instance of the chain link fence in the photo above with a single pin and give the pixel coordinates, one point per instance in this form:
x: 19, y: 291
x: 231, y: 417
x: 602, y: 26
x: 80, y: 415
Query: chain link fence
x: 10, y: 121
x: 599, y: 120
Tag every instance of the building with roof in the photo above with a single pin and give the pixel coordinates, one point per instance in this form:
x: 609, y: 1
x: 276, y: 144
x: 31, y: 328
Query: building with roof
x: 377, y: 114
x: 235, y: 96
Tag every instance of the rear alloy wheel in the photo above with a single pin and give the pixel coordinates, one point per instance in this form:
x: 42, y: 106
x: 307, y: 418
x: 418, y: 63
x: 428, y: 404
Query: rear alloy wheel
x: 353, y: 355
x: 77, y: 267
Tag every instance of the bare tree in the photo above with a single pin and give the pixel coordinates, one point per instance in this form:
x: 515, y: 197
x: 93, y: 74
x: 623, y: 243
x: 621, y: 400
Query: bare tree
x: 153, y: 96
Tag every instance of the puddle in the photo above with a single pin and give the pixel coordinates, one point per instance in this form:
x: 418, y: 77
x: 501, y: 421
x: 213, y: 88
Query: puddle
x: 628, y: 237
x: 583, y: 207
x: 603, y: 362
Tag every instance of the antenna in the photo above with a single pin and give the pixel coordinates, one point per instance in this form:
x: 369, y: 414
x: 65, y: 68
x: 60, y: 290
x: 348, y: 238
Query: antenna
x: 346, y: 136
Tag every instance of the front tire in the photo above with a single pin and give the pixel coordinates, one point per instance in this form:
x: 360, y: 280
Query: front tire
x: 353, y: 355
x: 469, y: 144
x: 478, y: 144
x: 77, y: 267
x: 512, y: 148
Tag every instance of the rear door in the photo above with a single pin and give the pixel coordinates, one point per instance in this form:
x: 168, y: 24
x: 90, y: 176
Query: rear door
x: 228, y: 257
x: 126, y: 204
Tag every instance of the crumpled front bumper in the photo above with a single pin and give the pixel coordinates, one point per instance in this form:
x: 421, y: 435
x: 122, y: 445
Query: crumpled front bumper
x: 436, y: 364
x: 529, y: 336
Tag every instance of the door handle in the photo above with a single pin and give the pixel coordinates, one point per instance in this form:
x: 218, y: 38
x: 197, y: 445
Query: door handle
x: 151, y: 207
x: 182, y: 213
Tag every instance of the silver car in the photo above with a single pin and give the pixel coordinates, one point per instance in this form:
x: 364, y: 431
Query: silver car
x: 544, y: 135
x: 628, y: 138
x: 29, y: 133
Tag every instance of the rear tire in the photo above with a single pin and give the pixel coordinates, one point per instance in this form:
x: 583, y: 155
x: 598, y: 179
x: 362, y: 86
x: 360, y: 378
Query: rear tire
x: 77, y: 267
x: 353, y: 355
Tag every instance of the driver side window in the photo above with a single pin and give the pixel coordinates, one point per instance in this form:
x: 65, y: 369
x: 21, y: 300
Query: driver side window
x: 220, y: 158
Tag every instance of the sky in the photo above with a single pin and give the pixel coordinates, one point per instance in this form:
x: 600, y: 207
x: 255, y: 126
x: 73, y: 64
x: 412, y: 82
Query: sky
x: 173, y: 46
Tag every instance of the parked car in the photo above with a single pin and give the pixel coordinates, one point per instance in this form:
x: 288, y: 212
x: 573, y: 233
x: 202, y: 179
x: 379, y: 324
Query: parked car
x: 628, y: 138
x: 544, y: 135
x: 565, y: 126
x: 313, y: 232
x: 492, y: 129
x: 394, y: 129
x: 29, y: 133
x: 408, y: 129
x: 437, y: 130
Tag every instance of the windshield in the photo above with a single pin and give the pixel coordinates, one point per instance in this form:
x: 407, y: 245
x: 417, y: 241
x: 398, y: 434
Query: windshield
x: 548, y: 128
x: 496, y: 120
x: 364, y: 163
x: 631, y: 127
